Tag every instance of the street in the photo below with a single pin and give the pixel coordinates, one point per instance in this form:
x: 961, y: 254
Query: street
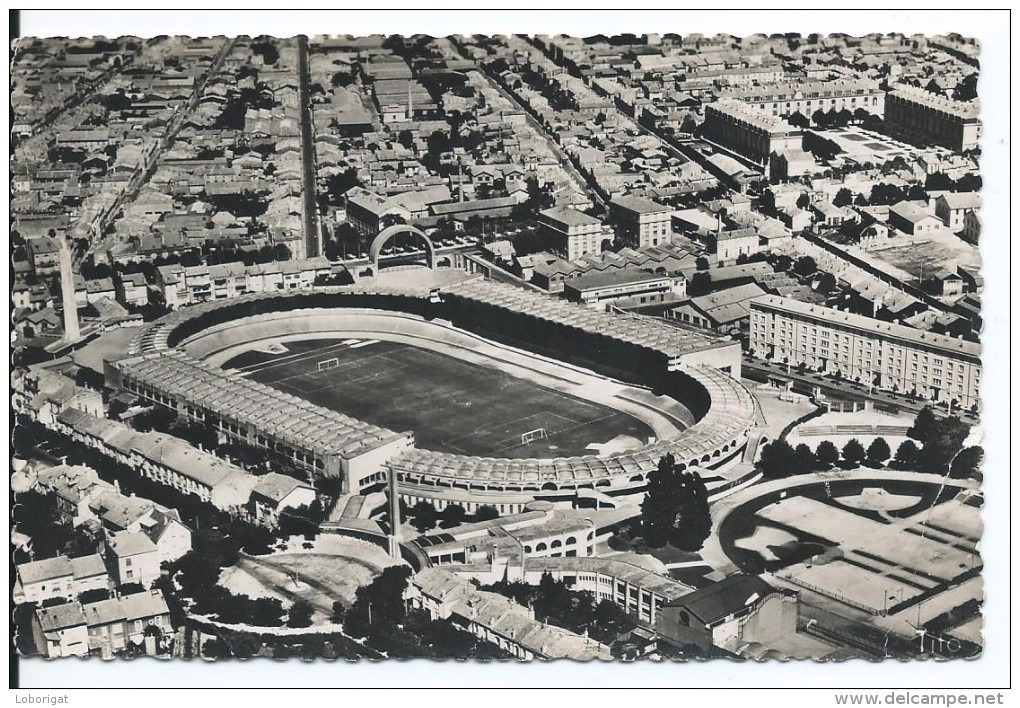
x: 842, y: 390
x: 309, y: 212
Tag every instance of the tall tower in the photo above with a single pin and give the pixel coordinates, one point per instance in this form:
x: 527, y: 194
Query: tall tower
x: 71, y: 330
x: 410, y: 102
x: 394, y: 516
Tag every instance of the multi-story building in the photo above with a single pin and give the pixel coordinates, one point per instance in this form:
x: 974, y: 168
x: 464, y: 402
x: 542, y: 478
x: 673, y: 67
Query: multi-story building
x: 922, y: 118
x: 625, y: 287
x: 749, y: 132
x: 953, y: 207
x: 113, y: 624
x: 730, y: 245
x: 496, y: 619
x: 368, y: 212
x: 641, y: 593
x: 641, y: 222
x: 44, y: 255
x: 971, y: 230
x: 162, y: 458
x: 132, y: 289
x: 572, y: 234
x: 186, y: 286
x: 133, y: 558
x: 881, y: 354
x: 807, y: 97
x: 60, y: 577
x: 60, y: 630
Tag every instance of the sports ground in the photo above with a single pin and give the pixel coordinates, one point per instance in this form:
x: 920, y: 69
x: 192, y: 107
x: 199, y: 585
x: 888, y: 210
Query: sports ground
x: 881, y: 545
x: 451, y: 405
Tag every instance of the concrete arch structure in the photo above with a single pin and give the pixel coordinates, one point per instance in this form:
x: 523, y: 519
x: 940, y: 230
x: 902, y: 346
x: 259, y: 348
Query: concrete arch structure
x: 387, y: 234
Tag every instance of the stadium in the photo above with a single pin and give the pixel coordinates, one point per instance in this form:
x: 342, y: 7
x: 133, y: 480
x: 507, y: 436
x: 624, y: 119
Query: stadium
x: 475, y: 392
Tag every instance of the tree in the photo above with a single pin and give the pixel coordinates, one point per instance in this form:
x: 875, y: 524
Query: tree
x: 300, y: 614
x: 966, y: 90
x: 844, y: 197
x: 767, y: 203
x: 853, y: 452
x: 798, y: 120
x: 925, y: 427
x: 805, y: 266
x: 700, y: 284
x: 424, y: 517
x: 701, y: 263
x: 379, y: 606
x: 826, y: 283
x: 804, y: 460
x: 883, y: 194
x: 675, y: 507
x: 826, y: 454
x: 339, y: 611
x: 452, y: 515
x: 967, y: 463
x: 216, y: 648
x: 803, y: 201
x: 878, y: 452
x: 906, y: 454
x: 486, y: 512
x: 777, y: 460
x: 860, y: 200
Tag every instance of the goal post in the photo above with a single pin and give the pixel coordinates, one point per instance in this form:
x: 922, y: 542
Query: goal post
x: 328, y: 364
x: 532, y: 435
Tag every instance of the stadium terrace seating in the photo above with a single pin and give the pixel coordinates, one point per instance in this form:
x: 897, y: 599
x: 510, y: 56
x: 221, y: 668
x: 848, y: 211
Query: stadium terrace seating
x: 722, y: 420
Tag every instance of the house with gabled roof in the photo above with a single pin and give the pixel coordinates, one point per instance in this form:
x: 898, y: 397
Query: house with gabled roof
x: 730, y: 614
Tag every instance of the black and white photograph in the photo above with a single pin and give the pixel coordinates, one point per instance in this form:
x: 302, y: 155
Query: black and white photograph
x: 507, y: 348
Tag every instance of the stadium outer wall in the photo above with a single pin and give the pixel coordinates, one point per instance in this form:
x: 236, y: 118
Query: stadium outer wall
x: 723, y: 411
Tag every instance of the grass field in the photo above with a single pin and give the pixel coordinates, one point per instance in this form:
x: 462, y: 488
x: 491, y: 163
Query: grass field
x: 451, y: 405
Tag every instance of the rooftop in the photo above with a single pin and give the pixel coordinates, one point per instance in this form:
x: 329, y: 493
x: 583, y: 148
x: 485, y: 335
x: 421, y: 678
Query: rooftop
x: 911, y: 212
x: 967, y: 111
x: 235, y: 397
x: 641, y: 331
x: 596, y: 280
x: 729, y: 305
x: 126, y: 543
x: 874, y: 327
x: 752, y: 116
x: 569, y: 217
x: 57, y: 617
x: 719, y: 600
x: 277, y: 486
x: 128, y: 607
x: 639, y: 205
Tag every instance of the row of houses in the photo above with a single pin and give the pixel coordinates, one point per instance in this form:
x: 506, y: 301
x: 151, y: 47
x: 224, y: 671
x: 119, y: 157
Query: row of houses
x: 187, y: 285
x: 103, y: 627
x: 172, y: 462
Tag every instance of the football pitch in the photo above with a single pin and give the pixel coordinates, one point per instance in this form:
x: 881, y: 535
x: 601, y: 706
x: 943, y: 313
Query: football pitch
x: 451, y: 405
